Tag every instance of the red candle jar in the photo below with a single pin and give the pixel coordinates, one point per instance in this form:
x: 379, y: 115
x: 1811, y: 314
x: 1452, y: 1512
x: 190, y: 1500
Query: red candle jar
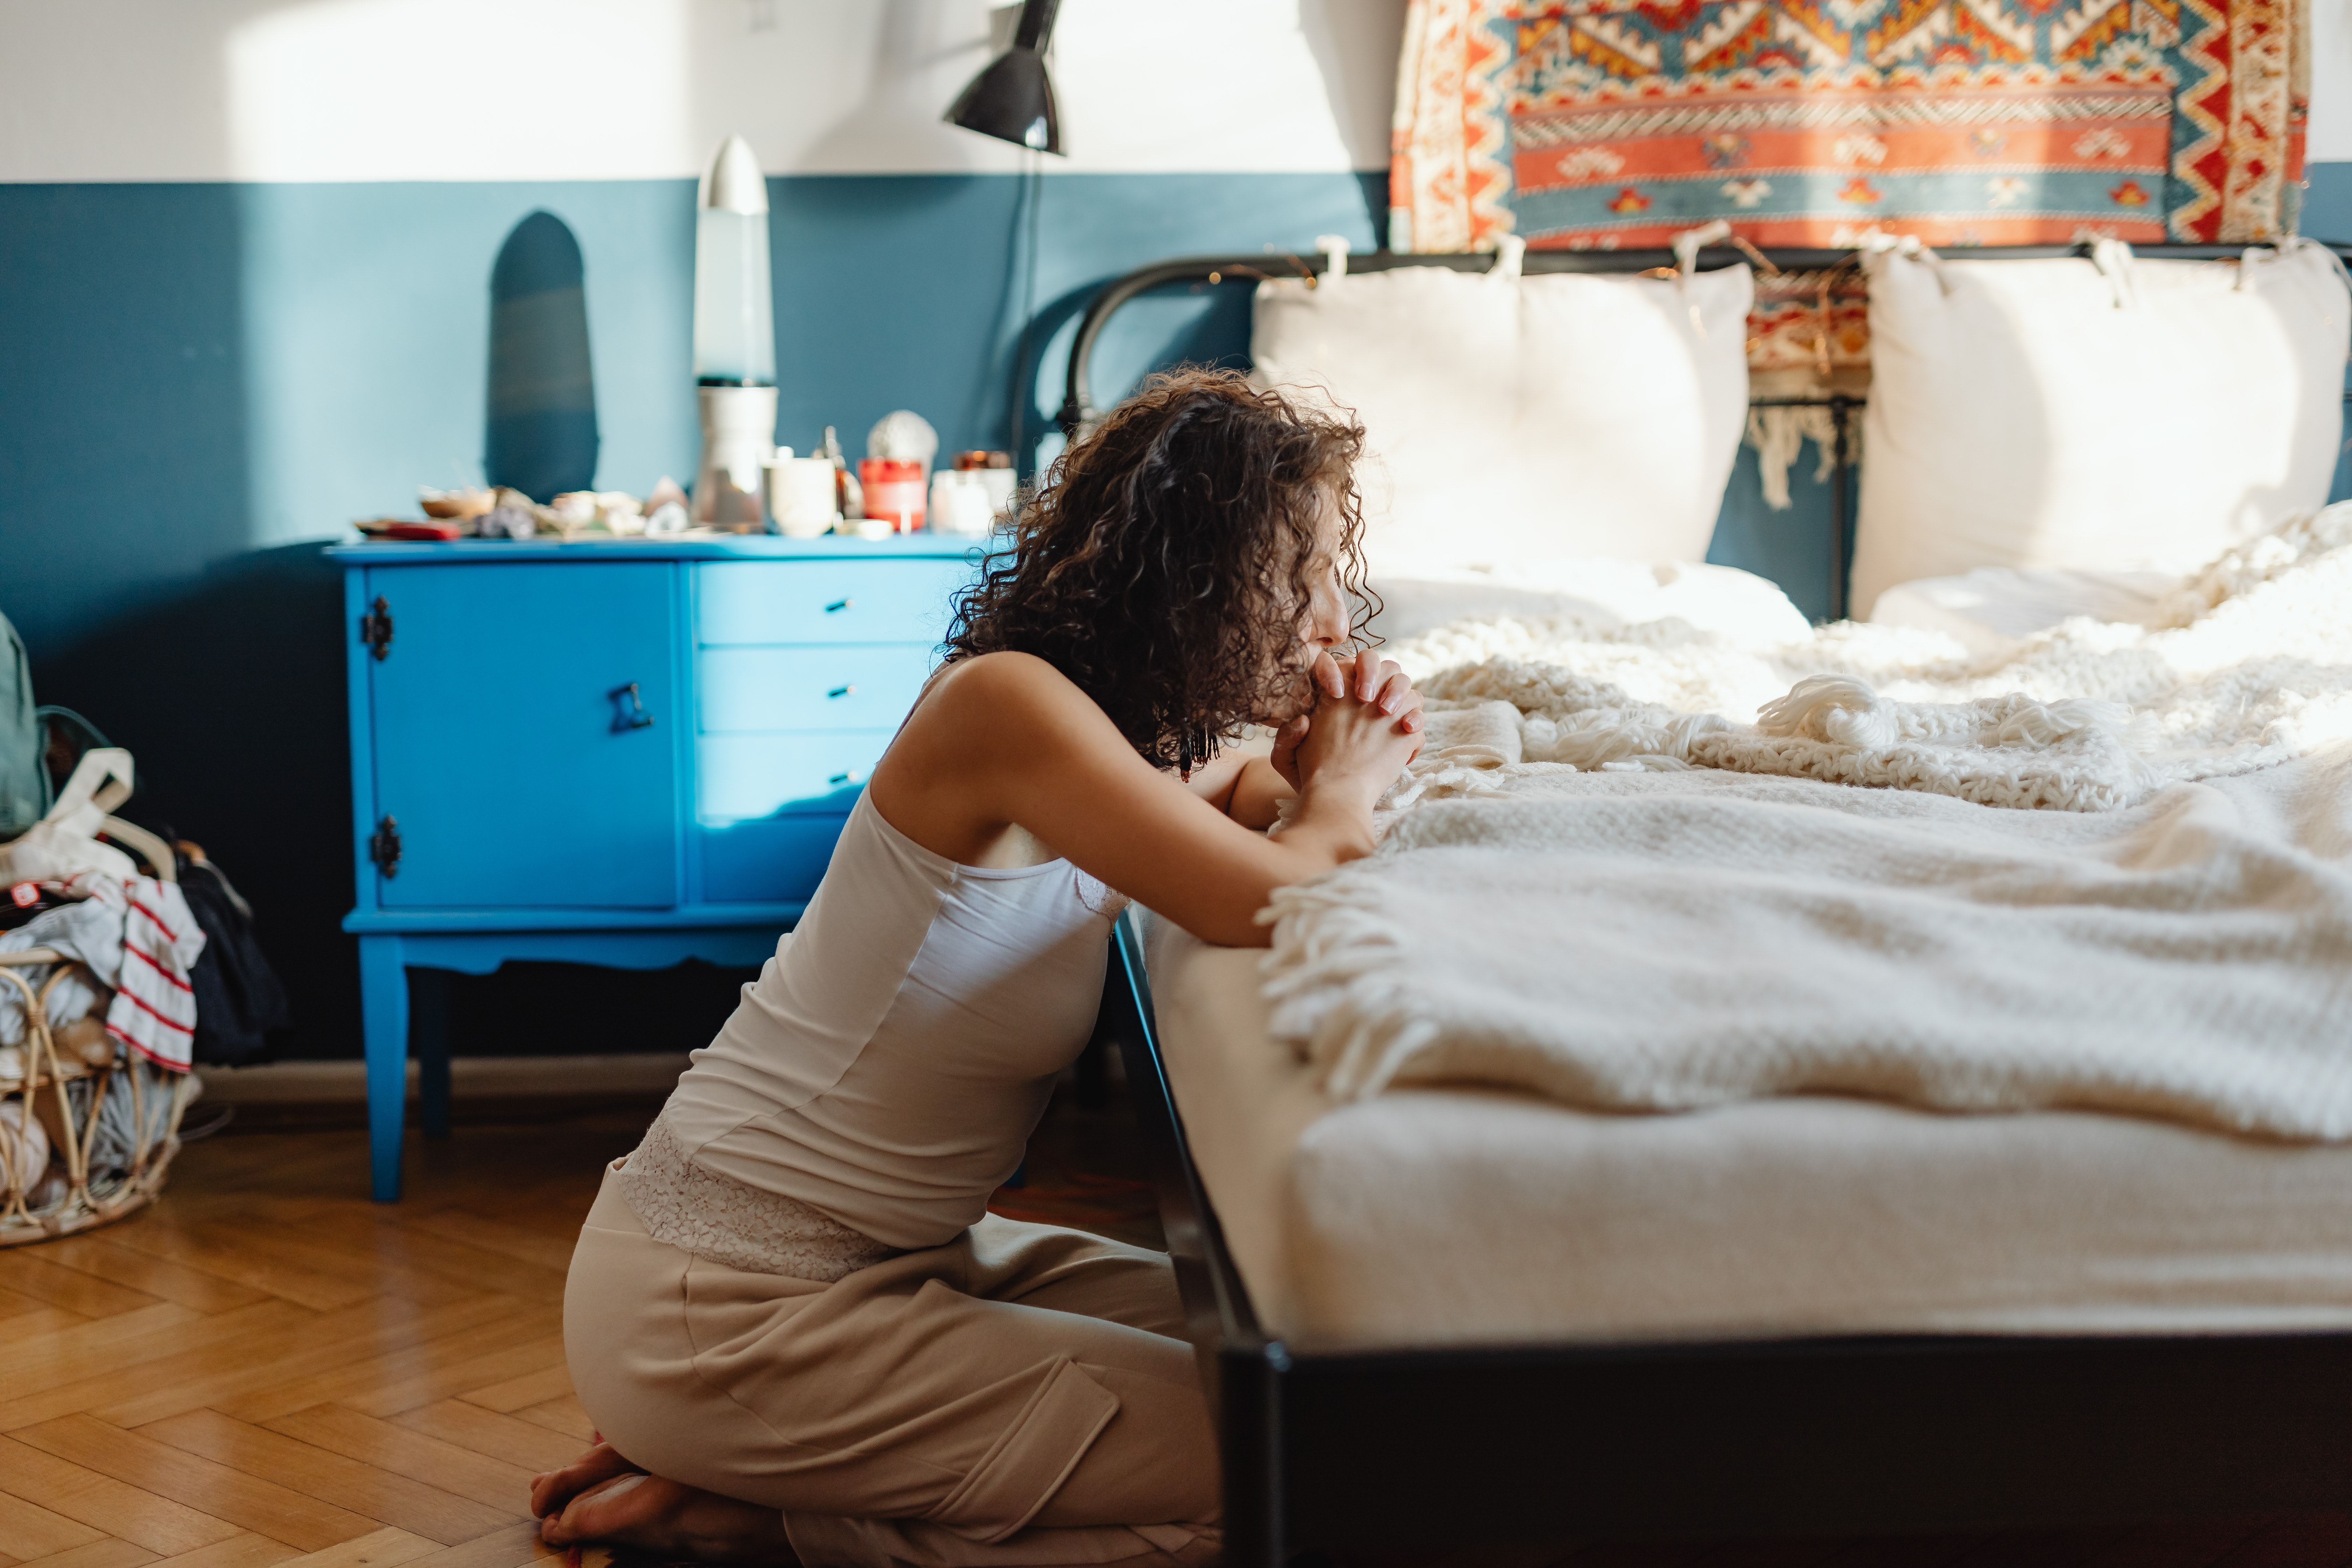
x: 894, y: 490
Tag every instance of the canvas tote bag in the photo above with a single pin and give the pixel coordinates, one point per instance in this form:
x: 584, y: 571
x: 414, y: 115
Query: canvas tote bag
x: 65, y: 843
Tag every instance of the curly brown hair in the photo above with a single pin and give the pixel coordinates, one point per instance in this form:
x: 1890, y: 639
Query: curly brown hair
x: 1163, y: 566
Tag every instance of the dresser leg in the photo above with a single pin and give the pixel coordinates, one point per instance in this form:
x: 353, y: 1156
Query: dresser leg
x: 428, y: 1033
x: 384, y: 1009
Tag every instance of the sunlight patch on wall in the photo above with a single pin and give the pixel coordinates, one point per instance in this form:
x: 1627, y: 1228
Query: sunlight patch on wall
x: 1227, y: 84
x: 440, y: 90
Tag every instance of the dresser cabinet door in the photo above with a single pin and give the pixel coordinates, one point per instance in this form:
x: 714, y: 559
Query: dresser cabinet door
x: 520, y: 769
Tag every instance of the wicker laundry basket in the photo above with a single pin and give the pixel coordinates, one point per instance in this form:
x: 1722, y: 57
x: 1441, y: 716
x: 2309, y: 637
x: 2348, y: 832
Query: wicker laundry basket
x: 120, y: 1107
x: 109, y: 1117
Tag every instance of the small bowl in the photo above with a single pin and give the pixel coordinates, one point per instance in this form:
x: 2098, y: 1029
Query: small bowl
x: 460, y: 504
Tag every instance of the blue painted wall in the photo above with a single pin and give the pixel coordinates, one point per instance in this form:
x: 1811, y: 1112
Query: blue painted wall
x: 199, y: 382
x: 2327, y: 202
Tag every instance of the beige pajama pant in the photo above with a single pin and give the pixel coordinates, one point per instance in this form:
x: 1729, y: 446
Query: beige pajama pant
x: 1022, y: 1395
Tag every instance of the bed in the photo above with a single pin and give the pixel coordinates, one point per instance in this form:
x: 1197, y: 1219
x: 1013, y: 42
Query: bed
x: 1454, y: 1315
x: 1507, y: 1439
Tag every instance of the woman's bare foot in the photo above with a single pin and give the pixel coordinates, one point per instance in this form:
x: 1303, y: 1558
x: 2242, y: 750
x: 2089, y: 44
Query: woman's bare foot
x: 550, y: 1489
x: 667, y: 1518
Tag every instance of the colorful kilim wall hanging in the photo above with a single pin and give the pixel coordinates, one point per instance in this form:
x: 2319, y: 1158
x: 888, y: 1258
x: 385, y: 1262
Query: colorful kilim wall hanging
x: 1618, y: 123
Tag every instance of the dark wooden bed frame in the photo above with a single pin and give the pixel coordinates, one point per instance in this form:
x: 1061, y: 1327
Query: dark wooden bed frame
x: 1541, y: 1445
x: 1558, y: 1445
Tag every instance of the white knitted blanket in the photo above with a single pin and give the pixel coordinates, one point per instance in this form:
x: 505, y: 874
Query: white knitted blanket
x: 1651, y: 889
x: 1665, y: 942
x: 2250, y: 666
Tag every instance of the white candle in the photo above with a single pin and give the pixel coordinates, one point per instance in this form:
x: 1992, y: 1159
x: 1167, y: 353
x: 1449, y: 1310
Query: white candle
x: 800, y: 495
x: 959, y: 503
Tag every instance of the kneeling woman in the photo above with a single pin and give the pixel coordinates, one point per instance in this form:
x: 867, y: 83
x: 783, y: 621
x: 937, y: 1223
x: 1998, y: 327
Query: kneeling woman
x: 795, y: 1324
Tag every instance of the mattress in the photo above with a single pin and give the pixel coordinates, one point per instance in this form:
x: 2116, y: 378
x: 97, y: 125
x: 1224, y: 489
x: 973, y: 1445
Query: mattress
x: 1990, y: 608
x: 1464, y: 1216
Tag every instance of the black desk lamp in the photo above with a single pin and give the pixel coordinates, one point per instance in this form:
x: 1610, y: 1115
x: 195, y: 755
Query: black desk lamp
x: 1012, y: 99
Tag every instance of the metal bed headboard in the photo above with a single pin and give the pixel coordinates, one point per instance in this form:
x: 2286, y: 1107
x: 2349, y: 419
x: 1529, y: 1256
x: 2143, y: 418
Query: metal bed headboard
x: 1079, y: 410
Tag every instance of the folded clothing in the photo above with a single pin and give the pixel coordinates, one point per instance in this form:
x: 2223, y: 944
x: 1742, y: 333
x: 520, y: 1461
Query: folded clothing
x: 133, y: 937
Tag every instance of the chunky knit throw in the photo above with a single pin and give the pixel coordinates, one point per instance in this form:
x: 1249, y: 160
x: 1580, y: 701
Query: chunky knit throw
x: 1631, y: 873
x: 2252, y: 665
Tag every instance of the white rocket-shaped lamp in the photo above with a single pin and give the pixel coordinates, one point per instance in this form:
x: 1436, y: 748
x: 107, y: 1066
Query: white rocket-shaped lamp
x: 734, y: 338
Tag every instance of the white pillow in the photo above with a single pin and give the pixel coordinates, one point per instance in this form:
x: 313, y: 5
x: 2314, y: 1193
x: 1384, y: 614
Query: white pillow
x: 1737, y: 605
x: 1989, y: 609
x: 1525, y: 418
x: 2103, y: 415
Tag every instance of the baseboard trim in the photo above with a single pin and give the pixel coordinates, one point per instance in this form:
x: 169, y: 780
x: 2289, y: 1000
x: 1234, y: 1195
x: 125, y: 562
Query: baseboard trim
x: 569, y: 1078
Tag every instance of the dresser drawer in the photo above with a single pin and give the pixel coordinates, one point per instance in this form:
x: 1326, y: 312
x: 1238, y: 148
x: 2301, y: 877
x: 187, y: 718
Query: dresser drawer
x: 813, y: 687
x: 767, y: 859
x: 869, y: 601
x: 805, y: 772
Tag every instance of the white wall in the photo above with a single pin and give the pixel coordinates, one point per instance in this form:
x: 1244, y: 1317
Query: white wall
x: 2331, y: 81
x: 520, y: 90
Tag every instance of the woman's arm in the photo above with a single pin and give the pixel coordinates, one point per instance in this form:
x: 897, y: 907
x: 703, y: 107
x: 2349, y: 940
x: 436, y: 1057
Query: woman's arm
x: 1245, y: 785
x: 1258, y: 793
x: 1006, y: 740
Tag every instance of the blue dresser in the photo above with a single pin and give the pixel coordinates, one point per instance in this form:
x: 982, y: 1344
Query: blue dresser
x: 619, y: 753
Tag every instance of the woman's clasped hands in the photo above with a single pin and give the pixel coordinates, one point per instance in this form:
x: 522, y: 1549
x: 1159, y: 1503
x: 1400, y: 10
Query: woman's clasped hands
x: 1365, y: 726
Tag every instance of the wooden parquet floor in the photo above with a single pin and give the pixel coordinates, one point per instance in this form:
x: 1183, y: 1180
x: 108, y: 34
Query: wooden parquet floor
x: 266, y: 1368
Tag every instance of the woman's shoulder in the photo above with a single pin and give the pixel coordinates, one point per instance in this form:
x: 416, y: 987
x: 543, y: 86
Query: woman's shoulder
x: 1007, y: 684
x: 987, y: 725
x: 1005, y: 671
x: 992, y: 702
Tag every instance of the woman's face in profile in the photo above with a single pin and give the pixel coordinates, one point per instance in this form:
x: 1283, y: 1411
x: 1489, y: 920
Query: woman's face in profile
x: 1323, y: 626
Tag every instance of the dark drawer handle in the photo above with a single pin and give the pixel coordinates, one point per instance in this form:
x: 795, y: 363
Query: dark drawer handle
x: 836, y: 604
x: 843, y: 691
x: 633, y: 717
x: 838, y: 778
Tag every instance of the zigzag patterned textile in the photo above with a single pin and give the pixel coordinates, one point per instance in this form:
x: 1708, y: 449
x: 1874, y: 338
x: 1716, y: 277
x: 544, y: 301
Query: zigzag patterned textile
x: 1610, y: 123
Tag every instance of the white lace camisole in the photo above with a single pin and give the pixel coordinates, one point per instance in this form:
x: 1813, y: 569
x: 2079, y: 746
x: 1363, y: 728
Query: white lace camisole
x: 882, y: 1076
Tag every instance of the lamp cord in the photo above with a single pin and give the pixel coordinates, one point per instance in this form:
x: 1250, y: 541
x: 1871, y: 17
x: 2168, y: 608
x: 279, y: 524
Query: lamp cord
x: 1037, y: 204
x: 1024, y: 385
